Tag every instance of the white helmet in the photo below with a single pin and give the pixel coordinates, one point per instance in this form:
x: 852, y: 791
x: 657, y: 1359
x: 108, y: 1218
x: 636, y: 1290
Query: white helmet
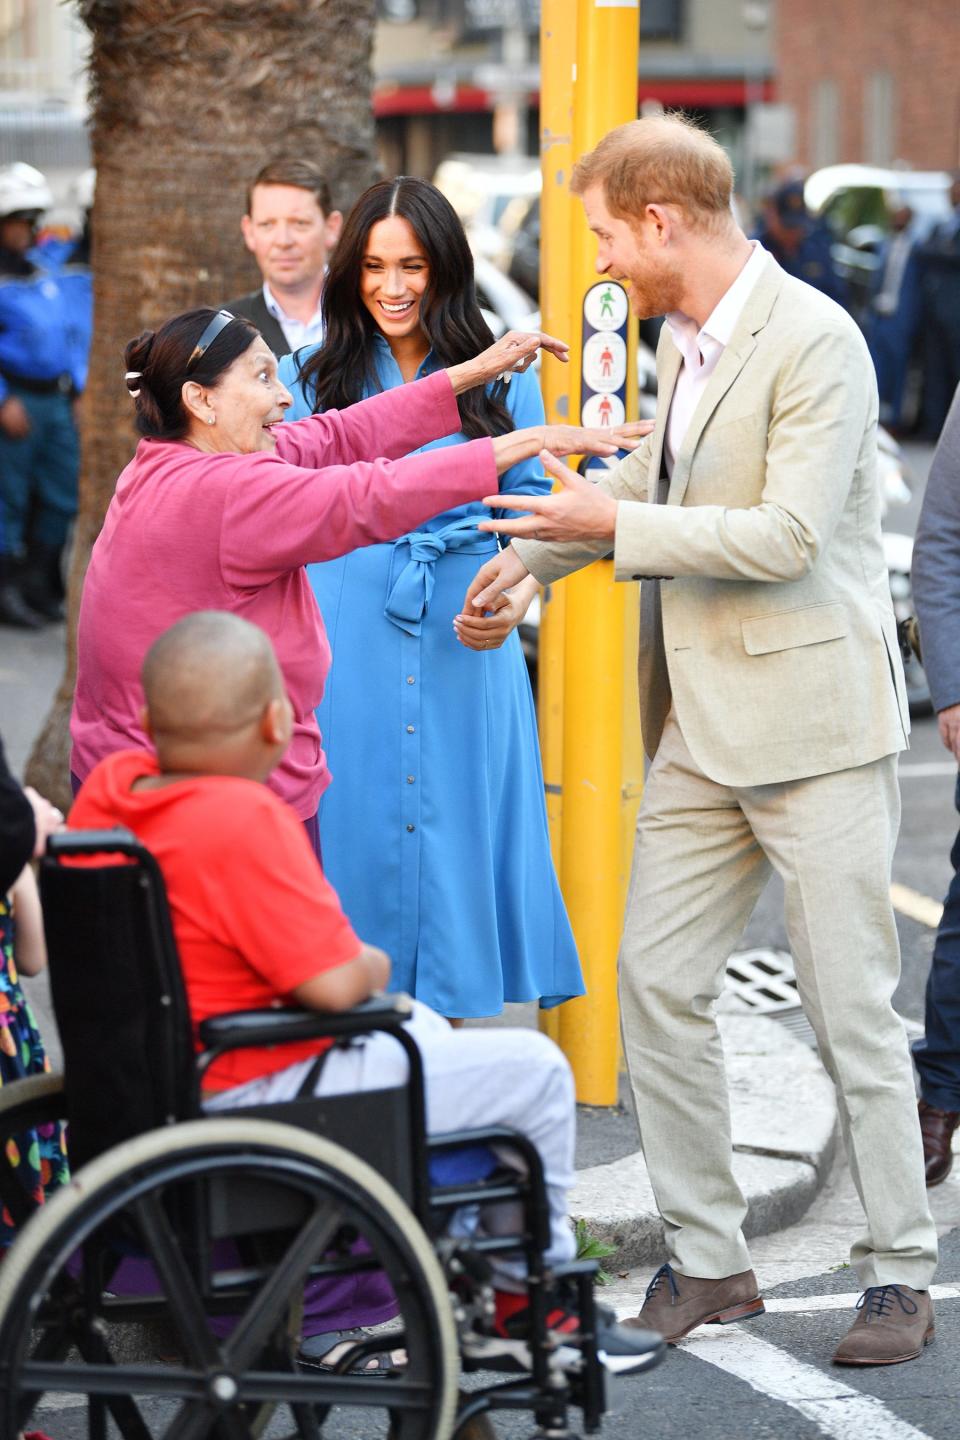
x: 23, y: 189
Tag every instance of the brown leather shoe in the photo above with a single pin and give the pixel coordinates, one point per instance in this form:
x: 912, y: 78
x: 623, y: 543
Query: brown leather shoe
x: 937, y: 1127
x: 894, y: 1324
x: 675, y: 1304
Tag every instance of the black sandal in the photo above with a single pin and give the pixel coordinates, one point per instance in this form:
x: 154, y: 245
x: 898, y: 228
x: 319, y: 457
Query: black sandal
x: 316, y: 1352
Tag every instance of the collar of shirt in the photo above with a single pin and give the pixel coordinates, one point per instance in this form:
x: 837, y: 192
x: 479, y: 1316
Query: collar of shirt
x: 701, y: 349
x: 717, y: 330
x: 388, y: 371
x: 297, y: 332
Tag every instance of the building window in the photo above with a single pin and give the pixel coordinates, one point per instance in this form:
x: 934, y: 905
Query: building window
x: 661, y: 19
x: 878, y: 118
x: 825, y: 124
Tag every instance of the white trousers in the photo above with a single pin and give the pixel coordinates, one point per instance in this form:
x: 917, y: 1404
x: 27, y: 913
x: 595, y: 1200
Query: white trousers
x: 703, y: 854
x: 472, y: 1078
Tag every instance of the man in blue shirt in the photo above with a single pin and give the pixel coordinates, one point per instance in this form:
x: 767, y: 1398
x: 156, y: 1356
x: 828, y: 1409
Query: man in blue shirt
x: 41, y: 375
x: 940, y: 279
x: 798, y: 241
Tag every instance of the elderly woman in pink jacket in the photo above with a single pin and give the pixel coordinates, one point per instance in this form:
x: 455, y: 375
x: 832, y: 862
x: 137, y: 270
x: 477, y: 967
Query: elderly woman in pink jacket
x: 222, y: 506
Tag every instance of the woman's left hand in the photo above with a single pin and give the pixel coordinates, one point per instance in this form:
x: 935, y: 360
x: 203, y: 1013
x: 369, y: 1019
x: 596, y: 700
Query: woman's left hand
x: 514, y: 351
x: 488, y: 632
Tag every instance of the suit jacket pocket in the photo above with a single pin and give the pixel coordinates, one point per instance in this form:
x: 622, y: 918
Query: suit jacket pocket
x: 787, y: 629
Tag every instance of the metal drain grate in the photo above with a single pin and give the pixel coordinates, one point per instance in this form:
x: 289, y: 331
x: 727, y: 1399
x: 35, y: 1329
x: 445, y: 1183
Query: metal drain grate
x: 763, y: 982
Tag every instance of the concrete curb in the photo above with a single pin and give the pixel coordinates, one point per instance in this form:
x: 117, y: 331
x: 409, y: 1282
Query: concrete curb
x: 784, y: 1118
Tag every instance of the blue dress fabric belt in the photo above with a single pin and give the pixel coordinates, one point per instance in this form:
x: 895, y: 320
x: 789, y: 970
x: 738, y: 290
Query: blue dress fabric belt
x: 409, y: 588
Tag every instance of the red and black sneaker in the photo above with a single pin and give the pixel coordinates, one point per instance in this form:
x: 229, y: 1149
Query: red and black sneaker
x: 507, y: 1345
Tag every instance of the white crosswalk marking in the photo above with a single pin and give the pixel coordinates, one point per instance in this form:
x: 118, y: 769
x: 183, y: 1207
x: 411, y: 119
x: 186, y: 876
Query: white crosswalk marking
x: 836, y: 1409
x: 806, y: 1304
x: 916, y: 906
x: 926, y: 769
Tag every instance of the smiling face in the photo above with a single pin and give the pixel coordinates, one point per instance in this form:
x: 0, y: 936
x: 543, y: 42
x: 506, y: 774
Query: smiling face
x: 636, y: 253
x: 394, y: 275
x: 246, y: 402
x: 289, y: 236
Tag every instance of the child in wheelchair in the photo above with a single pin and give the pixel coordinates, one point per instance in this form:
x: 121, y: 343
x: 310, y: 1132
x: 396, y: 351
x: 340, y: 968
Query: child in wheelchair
x: 257, y: 924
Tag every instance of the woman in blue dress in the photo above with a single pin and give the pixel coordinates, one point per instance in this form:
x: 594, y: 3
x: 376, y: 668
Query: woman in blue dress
x: 434, y: 831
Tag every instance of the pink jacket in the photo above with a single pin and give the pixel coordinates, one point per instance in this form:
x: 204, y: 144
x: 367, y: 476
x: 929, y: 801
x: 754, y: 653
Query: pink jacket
x: 188, y: 531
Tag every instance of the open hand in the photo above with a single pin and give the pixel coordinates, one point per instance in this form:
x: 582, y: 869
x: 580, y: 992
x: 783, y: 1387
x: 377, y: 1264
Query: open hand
x: 598, y: 440
x: 577, y: 511
x: 516, y: 350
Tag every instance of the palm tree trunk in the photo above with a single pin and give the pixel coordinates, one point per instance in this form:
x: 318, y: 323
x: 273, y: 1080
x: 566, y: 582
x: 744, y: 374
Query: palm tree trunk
x: 188, y: 101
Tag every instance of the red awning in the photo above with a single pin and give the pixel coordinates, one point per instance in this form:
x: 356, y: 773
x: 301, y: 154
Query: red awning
x: 695, y: 93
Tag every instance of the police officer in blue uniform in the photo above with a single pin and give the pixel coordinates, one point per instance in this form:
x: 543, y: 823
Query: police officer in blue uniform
x: 41, y: 374
x: 940, y: 278
x: 799, y: 241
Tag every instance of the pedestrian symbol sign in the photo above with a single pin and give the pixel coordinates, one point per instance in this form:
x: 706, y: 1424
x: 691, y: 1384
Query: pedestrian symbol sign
x: 605, y: 361
x: 603, y: 358
x: 605, y: 306
x: 603, y: 410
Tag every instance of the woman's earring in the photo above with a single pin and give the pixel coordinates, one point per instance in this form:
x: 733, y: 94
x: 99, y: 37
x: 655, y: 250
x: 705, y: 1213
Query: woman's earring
x: 211, y: 419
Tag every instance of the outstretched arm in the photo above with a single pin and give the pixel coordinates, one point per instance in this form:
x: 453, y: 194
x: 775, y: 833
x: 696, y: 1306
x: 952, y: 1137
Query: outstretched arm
x: 563, y: 531
x: 282, y: 516
x: 402, y: 419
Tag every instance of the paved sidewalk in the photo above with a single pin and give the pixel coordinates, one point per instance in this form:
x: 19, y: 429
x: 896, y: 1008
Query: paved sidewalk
x: 784, y: 1134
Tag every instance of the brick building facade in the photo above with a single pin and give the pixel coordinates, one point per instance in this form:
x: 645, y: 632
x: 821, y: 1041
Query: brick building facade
x: 875, y: 81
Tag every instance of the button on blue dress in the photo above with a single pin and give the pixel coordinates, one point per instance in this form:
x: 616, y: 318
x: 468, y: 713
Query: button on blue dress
x: 434, y: 829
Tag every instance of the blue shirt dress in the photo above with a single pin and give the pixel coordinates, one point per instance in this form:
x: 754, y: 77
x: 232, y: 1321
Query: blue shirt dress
x: 434, y: 830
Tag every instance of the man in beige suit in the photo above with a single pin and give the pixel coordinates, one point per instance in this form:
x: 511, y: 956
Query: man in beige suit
x: 773, y: 709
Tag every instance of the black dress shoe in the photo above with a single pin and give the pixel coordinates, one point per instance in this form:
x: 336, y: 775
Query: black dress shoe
x: 937, y: 1127
x: 41, y: 581
x: 15, y: 611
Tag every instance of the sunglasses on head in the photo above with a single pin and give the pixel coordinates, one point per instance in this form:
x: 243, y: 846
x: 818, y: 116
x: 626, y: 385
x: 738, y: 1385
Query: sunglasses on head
x: 220, y: 321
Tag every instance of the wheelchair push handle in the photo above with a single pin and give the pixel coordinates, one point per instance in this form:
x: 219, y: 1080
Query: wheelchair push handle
x: 68, y: 843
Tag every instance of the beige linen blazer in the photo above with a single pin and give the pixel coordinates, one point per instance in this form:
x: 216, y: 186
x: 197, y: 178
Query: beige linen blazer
x: 765, y: 607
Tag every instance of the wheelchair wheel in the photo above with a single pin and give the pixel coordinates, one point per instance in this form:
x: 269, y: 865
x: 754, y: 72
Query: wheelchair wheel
x: 228, y: 1218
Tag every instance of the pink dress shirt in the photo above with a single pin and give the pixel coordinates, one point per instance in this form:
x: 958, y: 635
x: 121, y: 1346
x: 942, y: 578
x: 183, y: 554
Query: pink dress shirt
x: 189, y: 531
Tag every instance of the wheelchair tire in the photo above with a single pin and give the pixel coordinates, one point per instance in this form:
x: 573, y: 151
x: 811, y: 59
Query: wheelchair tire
x: 47, y: 1318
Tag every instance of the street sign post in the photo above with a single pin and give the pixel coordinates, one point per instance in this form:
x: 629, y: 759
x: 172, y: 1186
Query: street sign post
x: 601, y: 773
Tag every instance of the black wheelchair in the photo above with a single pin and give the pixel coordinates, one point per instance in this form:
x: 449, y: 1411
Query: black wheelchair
x: 161, y: 1293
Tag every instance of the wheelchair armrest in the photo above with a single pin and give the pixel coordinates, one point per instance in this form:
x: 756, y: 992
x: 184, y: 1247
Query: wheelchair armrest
x: 239, y: 1029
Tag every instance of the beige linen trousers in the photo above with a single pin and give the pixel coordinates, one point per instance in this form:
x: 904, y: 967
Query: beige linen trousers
x: 773, y: 708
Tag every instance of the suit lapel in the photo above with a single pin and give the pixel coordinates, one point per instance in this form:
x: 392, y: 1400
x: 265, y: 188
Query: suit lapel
x: 742, y: 344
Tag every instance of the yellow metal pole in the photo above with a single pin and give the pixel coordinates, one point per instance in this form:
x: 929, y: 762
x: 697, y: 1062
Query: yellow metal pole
x: 602, y: 767
x: 558, y: 45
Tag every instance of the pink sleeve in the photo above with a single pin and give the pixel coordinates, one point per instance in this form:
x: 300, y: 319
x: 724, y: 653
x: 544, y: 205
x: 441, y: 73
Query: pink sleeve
x: 277, y: 517
x: 391, y: 424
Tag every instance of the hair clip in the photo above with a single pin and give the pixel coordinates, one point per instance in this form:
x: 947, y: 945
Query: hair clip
x: 133, y: 375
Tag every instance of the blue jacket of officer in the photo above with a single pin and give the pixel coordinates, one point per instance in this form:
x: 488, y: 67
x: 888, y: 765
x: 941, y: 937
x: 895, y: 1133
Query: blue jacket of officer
x: 69, y: 260
x: 39, y: 327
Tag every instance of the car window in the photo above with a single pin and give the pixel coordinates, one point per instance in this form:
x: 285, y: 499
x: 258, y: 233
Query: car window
x: 863, y: 205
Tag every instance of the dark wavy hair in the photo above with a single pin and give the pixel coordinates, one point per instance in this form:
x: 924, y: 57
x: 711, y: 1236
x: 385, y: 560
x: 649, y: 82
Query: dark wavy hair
x: 344, y: 367
x: 158, y: 359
